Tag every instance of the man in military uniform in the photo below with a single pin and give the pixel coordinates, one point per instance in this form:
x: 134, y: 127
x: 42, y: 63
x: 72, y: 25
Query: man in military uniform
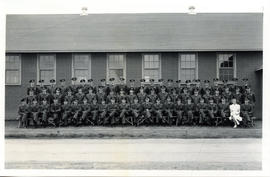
x: 170, y: 86
x: 247, y: 112
x: 101, y: 95
x: 58, y: 96
x: 211, y: 111
x: 135, y: 108
x: 23, y: 112
x: 131, y: 96
x: 163, y: 94
x: 63, y: 88
x: 67, y: 110
x: 90, y: 95
x: 83, y: 86
x: 202, y: 109
x: 113, y: 111
x: 75, y: 111
x: 91, y: 85
x: 207, y: 96
x: 31, y: 97
x: 55, y: 110
x: 121, y: 96
x: 52, y: 87
x: 32, y: 87
x: 112, y: 87
x: 151, y: 86
x: 179, y: 109
x: 238, y: 96
x: 141, y: 95
x: 73, y: 87
x: 250, y: 96
x: 44, y: 111
x: 44, y: 95
x: 206, y: 86
x: 179, y: 87
x: 152, y: 96
x: 216, y: 97
x: 158, y: 111
x: 184, y: 95
x: 146, y: 111
x: 94, y: 110
x: 189, y: 108
x: 34, y: 109
x: 223, y: 110
x: 80, y: 95
x: 227, y: 94
x: 196, y: 97
x: 174, y: 95
x: 69, y: 97
x: 86, y: 110
x: 41, y: 86
x: 124, y: 111
x: 168, y: 110
x: 102, y: 109
x: 132, y: 86
x: 110, y: 96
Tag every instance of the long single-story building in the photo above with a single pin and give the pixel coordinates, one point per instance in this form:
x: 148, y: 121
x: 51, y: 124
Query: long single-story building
x: 134, y: 46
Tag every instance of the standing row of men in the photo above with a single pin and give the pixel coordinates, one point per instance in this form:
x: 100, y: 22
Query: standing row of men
x: 110, y: 104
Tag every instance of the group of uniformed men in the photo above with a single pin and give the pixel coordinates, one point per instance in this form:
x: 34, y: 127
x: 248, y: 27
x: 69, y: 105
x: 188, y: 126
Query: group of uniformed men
x: 179, y: 103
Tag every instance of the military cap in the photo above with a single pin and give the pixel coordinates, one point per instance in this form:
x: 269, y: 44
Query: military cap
x: 74, y: 78
x: 215, y: 79
x: 189, y: 98
x: 58, y: 90
x: 206, y: 81
x: 84, y: 98
x: 111, y: 79
x: 122, y: 79
x: 225, y: 81
x: 146, y: 97
x: 55, y: 98
x: 178, y: 81
x: 123, y: 98
x: 65, y: 100
x: 100, y: 87
x: 170, y: 80
x: 69, y: 90
x: 31, y: 81
x: 196, y: 90
x: 90, y: 80
x: 44, y: 99
x: 211, y: 99
x: 160, y: 80
x: 197, y: 80
x: 188, y: 81
x: 132, y: 80
x: 34, y: 99
x: 75, y: 100
x: 141, y: 87
x: 202, y: 98
x: 82, y: 80
x: 158, y: 99
x: 152, y: 80
x: 142, y: 80
x: 163, y: 87
x: 94, y: 99
x: 184, y: 85
x: 136, y: 98
x: 178, y: 98
x: 168, y: 97
x: 194, y: 80
x: 245, y: 79
x: 131, y: 90
x: 247, y: 88
x: 62, y: 80
x: 52, y: 81
x: 234, y: 79
x: 223, y: 98
x: 41, y: 81
x: 102, y: 80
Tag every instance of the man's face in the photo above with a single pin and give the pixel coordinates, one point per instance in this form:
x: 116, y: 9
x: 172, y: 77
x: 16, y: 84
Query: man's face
x: 75, y: 102
x: 211, y: 102
x: 90, y: 91
x: 94, y: 101
x: 69, y: 93
x: 201, y: 101
x: 246, y: 101
x: 55, y: 101
x: 35, y: 102
x: 196, y: 92
x: 223, y: 101
x: 136, y: 101
x: 189, y: 101
x: 58, y: 92
x: 31, y: 93
x: 147, y: 100
x: 233, y: 101
x: 178, y: 101
x: 44, y: 91
x: 206, y: 85
x: 123, y: 101
x: 248, y: 90
x: 113, y: 101
x: 152, y: 92
x: 44, y: 102
x: 80, y: 90
x: 24, y: 103
x: 32, y: 84
x: 158, y: 101
x: 141, y: 90
x: 84, y: 101
x: 65, y: 102
x: 103, y: 102
x: 63, y: 83
x: 217, y: 92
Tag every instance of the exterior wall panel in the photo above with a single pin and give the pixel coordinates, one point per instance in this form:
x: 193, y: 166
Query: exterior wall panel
x: 169, y: 66
x: 134, y: 67
x: 207, y: 66
x: 99, y: 64
x: 64, y: 67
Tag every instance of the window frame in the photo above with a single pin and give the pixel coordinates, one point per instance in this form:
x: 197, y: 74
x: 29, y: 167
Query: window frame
x: 160, y: 65
x: 38, y: 68
x: 20, y: 69
x: 234, y: 63
x: 124, y: 66
x: 89, y: 65
x: 196, y: 63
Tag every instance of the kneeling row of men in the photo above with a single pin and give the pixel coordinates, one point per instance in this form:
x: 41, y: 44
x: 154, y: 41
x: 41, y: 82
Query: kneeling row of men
x: 134, y: 113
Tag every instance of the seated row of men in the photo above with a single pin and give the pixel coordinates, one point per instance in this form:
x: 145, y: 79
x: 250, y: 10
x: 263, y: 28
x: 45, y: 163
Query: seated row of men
x: 135, y: 109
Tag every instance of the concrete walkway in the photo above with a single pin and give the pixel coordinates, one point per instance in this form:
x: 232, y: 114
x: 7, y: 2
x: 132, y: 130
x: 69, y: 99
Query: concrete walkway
x: 181, y: 154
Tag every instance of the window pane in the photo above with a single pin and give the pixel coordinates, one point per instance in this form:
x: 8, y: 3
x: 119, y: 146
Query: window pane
x: 81, y: 74
x: 116, y: 61
x: 151, y: 61
x: 12, y: 77
x: 81, y: 61
x: 151, y: 74
x: 46, y: 75
x: 46, y: 61
x: 225, y: 60
x: 188, y: 61
x: 187, y: 74
x: 12, y: 62
x: 116, y: 73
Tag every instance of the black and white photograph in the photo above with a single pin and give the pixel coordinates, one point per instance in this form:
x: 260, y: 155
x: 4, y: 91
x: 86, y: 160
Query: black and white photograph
x: 174, y: 91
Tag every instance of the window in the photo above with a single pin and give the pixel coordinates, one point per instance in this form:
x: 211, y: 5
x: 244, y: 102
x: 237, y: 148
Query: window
x: 46, y: 67
x: 151, y: 67
x: 226, y: 66
x: 81, y: 66
x: 188, y: 67
x: 13, y: 69
x: 116, y: 67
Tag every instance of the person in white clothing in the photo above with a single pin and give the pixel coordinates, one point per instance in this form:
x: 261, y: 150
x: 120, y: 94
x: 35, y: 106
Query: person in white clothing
x: 235, y: 113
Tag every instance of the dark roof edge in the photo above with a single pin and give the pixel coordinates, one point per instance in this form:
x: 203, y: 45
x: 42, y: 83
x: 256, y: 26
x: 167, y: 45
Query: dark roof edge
x: 133, y: 50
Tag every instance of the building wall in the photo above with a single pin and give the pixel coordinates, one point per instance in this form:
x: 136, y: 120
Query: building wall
x: 247, y: 63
